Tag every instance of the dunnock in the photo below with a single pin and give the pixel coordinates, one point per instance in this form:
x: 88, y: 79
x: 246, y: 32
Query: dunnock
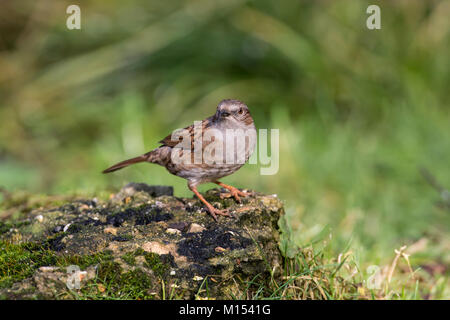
x: 205, y: 153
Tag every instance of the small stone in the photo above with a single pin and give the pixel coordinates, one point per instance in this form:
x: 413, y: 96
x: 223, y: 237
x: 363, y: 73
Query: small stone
x: 179, y: 226
x: 172, y: 273
x: 39, y: 218
x: 219, y: 249
x: 113, y: 247
x: 110, y: 230
x: 196, y: 228
x: 197, y: 278
x: 173, y: 231
x: 47, y: 269
x: 101, y: 288
x: 155, y: 247
x: 66, y: 227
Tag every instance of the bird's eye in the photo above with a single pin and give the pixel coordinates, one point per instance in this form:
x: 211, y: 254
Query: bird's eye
x: 241, y: 111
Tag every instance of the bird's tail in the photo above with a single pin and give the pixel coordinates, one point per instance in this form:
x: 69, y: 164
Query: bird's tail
x: 126, y: 163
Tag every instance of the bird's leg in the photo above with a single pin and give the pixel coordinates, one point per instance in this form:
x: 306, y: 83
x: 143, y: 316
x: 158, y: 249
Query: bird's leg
x: 235, y: 192
x: 213, y: 211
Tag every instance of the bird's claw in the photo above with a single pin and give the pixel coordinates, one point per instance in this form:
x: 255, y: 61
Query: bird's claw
x: 236, y: 194
x: 215, y: 212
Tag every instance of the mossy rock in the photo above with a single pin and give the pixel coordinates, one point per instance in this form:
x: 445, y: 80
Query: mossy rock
x: 141, y: 243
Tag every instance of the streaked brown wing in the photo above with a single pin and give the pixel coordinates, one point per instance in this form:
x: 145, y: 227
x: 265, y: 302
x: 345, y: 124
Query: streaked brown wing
x: 167, y: 141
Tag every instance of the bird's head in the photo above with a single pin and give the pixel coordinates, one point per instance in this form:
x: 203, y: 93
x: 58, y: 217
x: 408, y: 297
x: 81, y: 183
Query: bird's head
x: 233, y: 112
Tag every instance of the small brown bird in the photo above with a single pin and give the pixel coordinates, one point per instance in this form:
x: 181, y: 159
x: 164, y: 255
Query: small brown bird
x: 205, y: 152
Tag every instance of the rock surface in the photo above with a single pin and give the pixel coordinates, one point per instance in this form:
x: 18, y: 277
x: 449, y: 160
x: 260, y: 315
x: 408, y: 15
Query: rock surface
x: 141, y: 243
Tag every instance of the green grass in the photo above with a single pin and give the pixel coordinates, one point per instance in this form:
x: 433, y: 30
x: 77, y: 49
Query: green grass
x: 360, y: 114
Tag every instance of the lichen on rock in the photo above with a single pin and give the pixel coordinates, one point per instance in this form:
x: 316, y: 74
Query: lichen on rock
x: 141, y: 243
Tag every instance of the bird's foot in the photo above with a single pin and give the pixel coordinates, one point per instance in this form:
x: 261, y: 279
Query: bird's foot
x: 235, y: 193
x: 215, y: 212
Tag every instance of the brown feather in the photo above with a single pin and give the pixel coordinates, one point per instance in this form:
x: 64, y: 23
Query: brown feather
x: 167, y: 141
x: 126, y: 163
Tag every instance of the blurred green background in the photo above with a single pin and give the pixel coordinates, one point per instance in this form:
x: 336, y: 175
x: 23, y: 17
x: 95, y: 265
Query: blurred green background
x: 360, y: 111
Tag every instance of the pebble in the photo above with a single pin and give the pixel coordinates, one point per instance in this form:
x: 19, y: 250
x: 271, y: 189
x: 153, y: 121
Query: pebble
x: 173, y: 231
x: 66, y: 227
x: 155, y: 247
x: 110, y: 230
x: 195, y: 228
x: 47, y: 269
x: 101, y: 288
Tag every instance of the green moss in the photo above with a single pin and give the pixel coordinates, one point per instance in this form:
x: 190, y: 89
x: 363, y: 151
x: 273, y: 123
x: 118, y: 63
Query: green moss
x: 133, y: 284
x: 159, y: 264
x: 6, y: 226
x: 25, y: 202
x: 129, y: 258
x: 154, y: 262
x: 73, y: 228
x: 109, y: 271
x: 139, y: 252
x: 136, y: 284
x: 128, y: 237
x: 213, y: 196
x: 18, y: 261
x: 84, y: 261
